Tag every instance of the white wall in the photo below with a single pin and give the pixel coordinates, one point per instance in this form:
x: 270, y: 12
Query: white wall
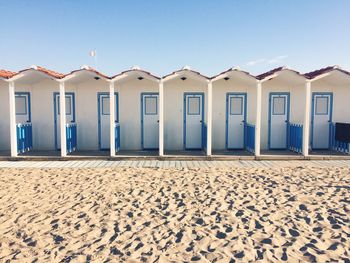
x: 173, y: 109
x: 297, y: 103
x: 341, y: 98
x: 220, y: 89
x: 130, y: 110
x: 5, y: 117
x: 42, y: 112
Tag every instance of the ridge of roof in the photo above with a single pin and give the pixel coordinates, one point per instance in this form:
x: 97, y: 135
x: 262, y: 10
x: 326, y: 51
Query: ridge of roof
x: 135, y: 69
x: 318, y: 72
x: 186, y: 69
x: 233, y: 69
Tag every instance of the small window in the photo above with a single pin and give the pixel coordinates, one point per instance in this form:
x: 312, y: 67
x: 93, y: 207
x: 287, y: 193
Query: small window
x: 151, y: 106
x: 194, y: 106
x: 68, y: 105
x: 236, y: 106
x: 279, y: 106
x: 105, y: 105
x: 321, y: 106
x: 21, y: 105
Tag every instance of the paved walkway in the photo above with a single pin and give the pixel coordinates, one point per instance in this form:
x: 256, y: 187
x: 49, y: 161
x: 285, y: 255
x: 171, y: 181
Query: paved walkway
x: 170, y: 164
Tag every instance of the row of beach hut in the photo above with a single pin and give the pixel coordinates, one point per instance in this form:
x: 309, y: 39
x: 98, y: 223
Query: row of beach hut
x: 137, y: 113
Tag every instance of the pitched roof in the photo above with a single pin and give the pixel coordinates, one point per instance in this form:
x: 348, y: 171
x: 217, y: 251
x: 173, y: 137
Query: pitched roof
x: 6, y: 74
x: 275, y: 70
x: 233, y: 69
x: 316, y: 73
x: 135, y: 70
x: 48, y: 72
x: 186, y: 70
x: 88, y: 69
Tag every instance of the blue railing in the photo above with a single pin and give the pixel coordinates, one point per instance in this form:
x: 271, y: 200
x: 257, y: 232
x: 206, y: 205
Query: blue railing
x: 24, y: 137
x: 117, y: 137
x: 249, y: 138
x: 71, y: 137
x: 337, y: 145
x: 295, y: 137
x: 204, y: 136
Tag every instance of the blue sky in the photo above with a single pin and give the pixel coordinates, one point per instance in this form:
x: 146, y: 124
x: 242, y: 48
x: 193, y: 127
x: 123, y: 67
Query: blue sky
x: 162, y: 36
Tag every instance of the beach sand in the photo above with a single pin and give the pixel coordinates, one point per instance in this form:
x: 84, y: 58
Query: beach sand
x: 175, y: 215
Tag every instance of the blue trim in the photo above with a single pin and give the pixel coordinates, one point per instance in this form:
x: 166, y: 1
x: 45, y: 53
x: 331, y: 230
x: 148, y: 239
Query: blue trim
x: 28, y: 107
x: 273, y: 106
x: 314, y: 94
x: 227, y: 115
x: 55, y: 95
x: 198, y: 111
x: 142, y: 95
x: 99, y: 94
x: 326, y: 113
x: 184, y: 123
x: 270, y: 114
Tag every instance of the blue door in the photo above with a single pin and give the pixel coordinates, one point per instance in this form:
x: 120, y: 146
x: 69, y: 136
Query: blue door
x: 278, y: 120
x: 70, y: 114
x: 104, y: 120
x: 320, y: 120
x: 193, y: 120
x: 149, y: 121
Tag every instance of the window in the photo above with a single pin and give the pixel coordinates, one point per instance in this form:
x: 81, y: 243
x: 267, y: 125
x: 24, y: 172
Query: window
x: 68, y: 105
x: 194, y: 106
x: 321, y: 106
x: 105, y: 105
x: 21, y: 105
x: 279, y: 106
x: 151, y: 105
x: 236, y: 106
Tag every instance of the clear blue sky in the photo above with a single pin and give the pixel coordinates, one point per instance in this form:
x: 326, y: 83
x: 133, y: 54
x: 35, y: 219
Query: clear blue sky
x: 162, y: 36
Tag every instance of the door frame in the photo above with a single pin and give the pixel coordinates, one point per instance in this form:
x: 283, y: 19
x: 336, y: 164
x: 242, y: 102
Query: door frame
x: 185, y: 113
x: 314, y: 94
x: 99, y: 94
x: 270, y: 114
x: 55, y: 95
x: 142, y: 140
x: 23, y: 94
x: 244, y: 94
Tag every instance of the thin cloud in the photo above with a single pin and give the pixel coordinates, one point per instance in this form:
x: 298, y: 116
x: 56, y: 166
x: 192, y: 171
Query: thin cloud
x: 254, y: 62
x: 277, y: 59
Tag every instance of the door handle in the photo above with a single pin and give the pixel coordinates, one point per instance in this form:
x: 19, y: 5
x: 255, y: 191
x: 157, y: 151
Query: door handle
x: 200, y: 121
x: 158, y: 121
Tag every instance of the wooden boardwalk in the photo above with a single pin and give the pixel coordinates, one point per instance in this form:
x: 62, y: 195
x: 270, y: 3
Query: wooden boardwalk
x: 171, y: 164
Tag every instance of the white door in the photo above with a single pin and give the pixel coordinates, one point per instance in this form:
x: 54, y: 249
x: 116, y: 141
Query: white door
x: 103, y: 119
x: 150, y: 121
x: 22, y: 104
x: 321, y: 118
x: 193, y: 121
x: 70, y: 114
x: 279, y: 111
x: 235, y: 120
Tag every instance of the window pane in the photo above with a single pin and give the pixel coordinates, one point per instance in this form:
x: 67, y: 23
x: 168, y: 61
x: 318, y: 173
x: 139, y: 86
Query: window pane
x: 236, y: 106
x: 150, y: 105
x: 279, y: 105
x: 105, y: 106
x: 321, y: 105
x: 194, y: 105
x: 21, y: 105
x: 68, y: 105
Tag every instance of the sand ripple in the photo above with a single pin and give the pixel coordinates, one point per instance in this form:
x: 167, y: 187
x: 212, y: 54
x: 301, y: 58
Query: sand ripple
x: 147, y: 215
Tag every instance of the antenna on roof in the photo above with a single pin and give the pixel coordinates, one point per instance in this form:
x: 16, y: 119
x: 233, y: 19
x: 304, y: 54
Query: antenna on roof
x: 93, y: 53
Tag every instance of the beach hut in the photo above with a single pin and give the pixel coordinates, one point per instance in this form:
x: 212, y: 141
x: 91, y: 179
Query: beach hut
x: 5, y: 144
x: 138, y: 124
x: 87, y: 113
x: 234, y: 112
x: 282, y: 111
x: 185, y: 112
x: 330, y: 97
x: 31, y: 111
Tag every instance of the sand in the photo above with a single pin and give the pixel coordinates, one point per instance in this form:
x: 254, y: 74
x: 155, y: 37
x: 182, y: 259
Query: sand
x: 174, y: 215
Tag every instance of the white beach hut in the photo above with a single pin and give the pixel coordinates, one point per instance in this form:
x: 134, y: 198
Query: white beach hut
x: 330, y: 98
x: 185, y: 112
x: 138, y: 123
x: 282, y: 110
x: 234, y: 112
